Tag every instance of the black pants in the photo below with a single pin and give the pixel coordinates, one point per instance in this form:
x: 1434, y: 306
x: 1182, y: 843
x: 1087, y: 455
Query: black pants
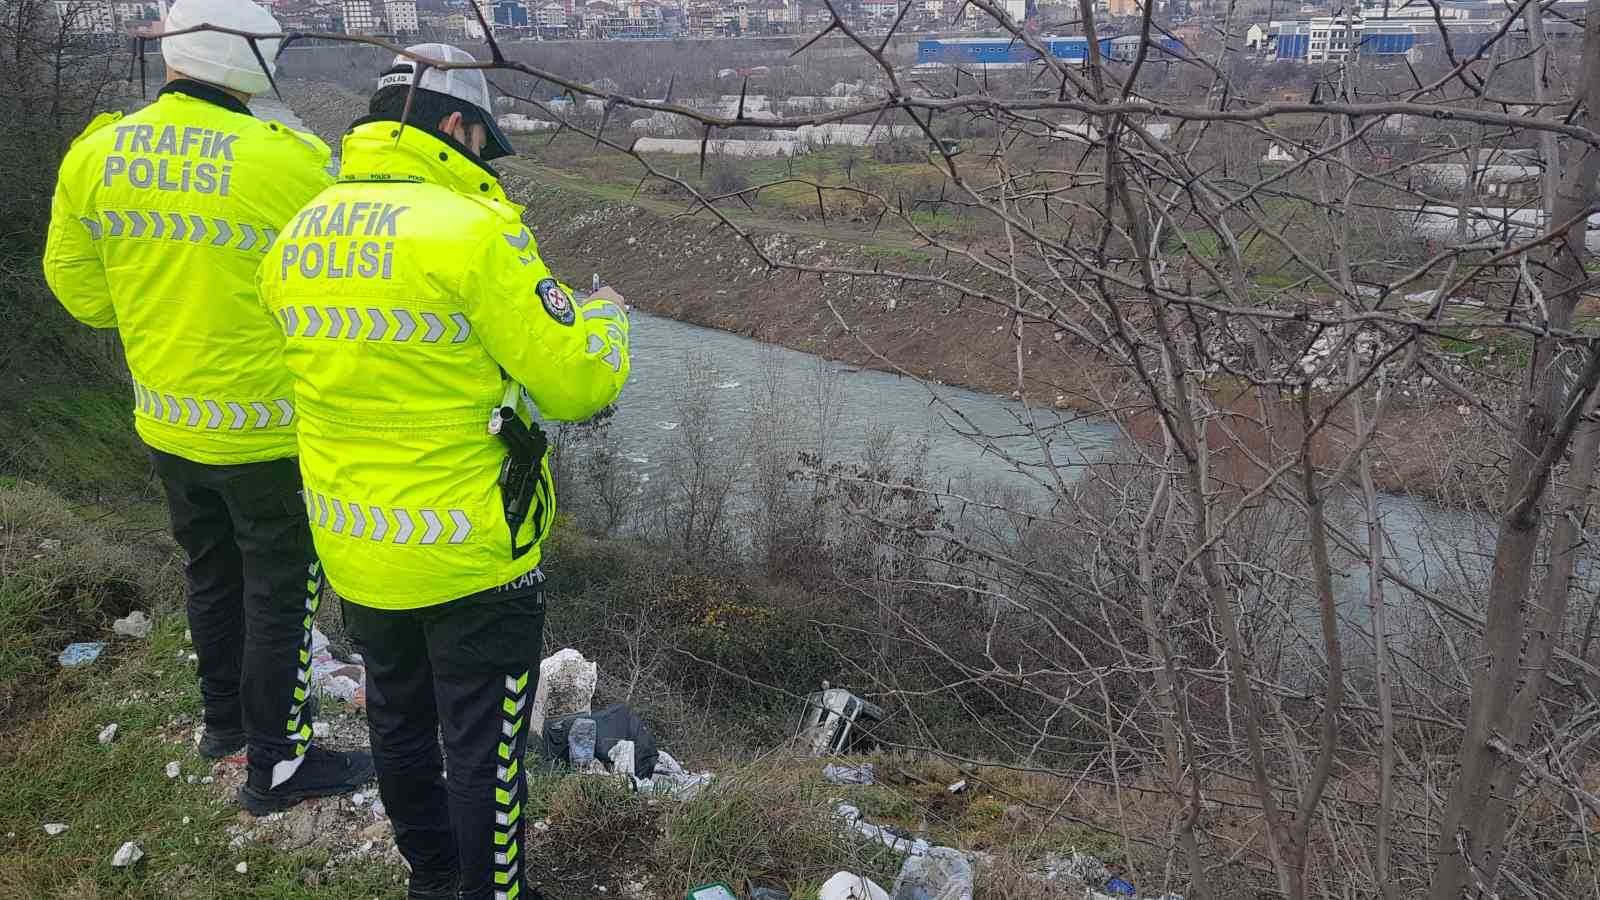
x: 468, y: 668
x: 253, y: 589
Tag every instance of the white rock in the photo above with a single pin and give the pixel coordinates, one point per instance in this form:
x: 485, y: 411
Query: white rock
x: 242, y: 868
x: 173, y: 769
x: 134, y: 625
x: 566, y: 686
x: 845, y: 886
x: 622, y: 758
x: 55, y: 828
x: 108, y: 733
x: 126, y: 855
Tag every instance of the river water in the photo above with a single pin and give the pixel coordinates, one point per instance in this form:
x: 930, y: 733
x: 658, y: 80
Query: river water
x: 1429, y: 543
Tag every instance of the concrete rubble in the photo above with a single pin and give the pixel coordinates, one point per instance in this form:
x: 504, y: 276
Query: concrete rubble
x: 566, y: 686
x: 134, y: 625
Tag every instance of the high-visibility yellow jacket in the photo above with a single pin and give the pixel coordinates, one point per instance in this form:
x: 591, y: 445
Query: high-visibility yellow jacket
x: 410, y: 292
x: 159, y: 221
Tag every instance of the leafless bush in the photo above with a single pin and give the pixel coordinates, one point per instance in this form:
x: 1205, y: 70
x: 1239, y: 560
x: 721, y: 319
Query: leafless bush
x: 703, y: 459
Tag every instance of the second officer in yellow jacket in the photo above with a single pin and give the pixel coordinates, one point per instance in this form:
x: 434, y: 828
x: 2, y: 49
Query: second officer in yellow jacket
x: 421, y: 326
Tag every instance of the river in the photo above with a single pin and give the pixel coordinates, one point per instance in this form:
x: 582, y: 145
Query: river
x: 1436, y: 547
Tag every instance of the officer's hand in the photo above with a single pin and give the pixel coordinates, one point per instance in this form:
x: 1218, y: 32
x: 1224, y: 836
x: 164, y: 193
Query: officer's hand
x: 609, y: 293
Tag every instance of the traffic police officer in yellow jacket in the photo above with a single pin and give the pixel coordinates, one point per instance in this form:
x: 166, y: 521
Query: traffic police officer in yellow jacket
x: 423, y: 329
x: 159, y: 221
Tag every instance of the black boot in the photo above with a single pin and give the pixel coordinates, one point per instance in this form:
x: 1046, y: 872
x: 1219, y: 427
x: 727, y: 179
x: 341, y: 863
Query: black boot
x: 218, y: 743
x: 433, y: 886
x: 323, y: 773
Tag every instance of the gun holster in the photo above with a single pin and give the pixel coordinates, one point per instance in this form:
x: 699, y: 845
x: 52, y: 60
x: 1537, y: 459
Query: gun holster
x: 521, y: 472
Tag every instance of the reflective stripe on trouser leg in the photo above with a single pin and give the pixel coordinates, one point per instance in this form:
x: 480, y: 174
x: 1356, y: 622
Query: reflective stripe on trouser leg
x: 509, y: 791
x: 299, y: 730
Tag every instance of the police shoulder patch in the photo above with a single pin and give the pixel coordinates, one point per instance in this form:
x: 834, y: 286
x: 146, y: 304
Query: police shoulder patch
x: 556, y: 302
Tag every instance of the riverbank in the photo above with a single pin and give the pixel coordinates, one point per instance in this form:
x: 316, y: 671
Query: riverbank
x: 686, y: 269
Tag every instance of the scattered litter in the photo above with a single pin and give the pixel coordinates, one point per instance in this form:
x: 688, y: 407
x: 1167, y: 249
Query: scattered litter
x: 192, y: 779
x: 81, y: 653
x: 840, y: 774
x: 207, y: 779
x: 1075, y: 865
x: 621, y: 756
x: 320, y: 730
x: 727, y: 385
x: 666, y: 426
x: 242, y: 868
x: 342, y: 687
x: 846, y: 886
x: 893, y: 838
x: 55, y: 828
x: 958, y: 787
x: 338, y: 679
x: 108, y: 733
x: 766, y: 893
x: 187, y: 820
x: 173, y: 769
x: 1121, y: 888
x: 832, y: 719
x: 580, y: 741
x: 126, y: 855
x: 134, y: 625
x: 50, y: 545
x: 940, y: 874
x: 358, y: 799
x: 566, y: 687
x: 192, y: 657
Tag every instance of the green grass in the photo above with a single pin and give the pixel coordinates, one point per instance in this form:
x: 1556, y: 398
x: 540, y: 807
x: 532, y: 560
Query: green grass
x: 53, y: 769
x: 897, y: 253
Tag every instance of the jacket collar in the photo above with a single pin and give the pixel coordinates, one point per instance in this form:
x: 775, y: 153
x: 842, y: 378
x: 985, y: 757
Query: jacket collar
x: 381, y: 150
x: 209, y: 93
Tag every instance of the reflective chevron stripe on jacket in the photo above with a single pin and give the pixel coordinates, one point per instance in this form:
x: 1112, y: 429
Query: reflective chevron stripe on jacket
x: 371, y: 323
x: 211, y: 413
x: 396, y: 524
x: 139, y: 223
